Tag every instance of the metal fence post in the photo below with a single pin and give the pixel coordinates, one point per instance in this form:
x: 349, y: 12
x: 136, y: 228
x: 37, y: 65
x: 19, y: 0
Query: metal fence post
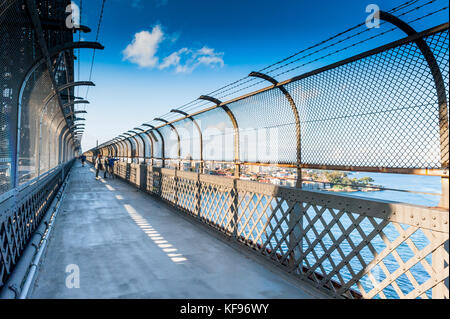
x: 178, y: 139
x: 295, y: 240
x: 288, y: 96
x: 441, y: 96
x: 198, y: 196
x: 200, y: 135
x: 237, y: 164
x: 163, y: 155
x: 234, y: 207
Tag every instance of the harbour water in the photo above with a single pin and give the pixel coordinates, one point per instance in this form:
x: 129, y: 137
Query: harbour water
x: 416, y: 183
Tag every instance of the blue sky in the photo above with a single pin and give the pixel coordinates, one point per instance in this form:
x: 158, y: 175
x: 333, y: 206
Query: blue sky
x: 161, y: 54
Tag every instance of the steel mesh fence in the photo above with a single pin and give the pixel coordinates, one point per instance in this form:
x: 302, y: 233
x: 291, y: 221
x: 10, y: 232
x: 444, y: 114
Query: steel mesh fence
x: 217, y: 131
x: 17, y: 52
x: 33, y: 162
x: 266, y: 128
x: 189, y: 140
x: 170, y: 142
x: 378, y: 111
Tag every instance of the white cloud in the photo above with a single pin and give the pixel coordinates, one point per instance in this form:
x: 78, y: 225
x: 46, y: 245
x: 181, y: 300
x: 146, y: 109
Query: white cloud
x: 206, y: 56
x: 142, y: 50
x: 209, y: 57
x: 173, y: 59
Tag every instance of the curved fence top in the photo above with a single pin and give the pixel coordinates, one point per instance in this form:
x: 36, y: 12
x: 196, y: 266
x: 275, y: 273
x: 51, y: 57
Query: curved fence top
x: 377, y: 111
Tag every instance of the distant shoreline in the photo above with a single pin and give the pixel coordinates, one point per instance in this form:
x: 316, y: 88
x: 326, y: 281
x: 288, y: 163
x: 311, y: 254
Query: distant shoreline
x: 353, y: 190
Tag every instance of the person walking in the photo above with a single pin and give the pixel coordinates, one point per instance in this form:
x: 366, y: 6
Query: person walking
x: 111, y: 166
x: 105, y: 166
x: 83, y: 160
x: 98, y: 165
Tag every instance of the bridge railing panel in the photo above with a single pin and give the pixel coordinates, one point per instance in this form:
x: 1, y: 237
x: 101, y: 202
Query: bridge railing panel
x: 345, y: 245
x: 22, y: 213
x: 384, y: 110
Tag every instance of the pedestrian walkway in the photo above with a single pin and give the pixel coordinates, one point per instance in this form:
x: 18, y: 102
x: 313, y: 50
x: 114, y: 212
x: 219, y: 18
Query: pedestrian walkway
x: 127, y: 244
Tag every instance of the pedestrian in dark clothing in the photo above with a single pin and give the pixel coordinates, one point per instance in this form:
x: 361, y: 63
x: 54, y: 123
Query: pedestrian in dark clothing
x: 98, y: 165
x: 83, y: 160
x: 111, y: 166
x: 105, y: 166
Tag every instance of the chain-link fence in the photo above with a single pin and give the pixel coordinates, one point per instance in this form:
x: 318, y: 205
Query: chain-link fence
x: 31, y: 114
x: 379, y: 111
x: 36, y: 143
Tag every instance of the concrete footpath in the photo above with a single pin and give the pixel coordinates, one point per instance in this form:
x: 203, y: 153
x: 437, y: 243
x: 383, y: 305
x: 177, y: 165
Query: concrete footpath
x: 112, y: 241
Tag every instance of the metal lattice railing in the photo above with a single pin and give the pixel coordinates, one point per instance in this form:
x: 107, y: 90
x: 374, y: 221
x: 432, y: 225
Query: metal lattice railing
x: 348, y: 247
x: 21, y: 215
x: 384, y: 110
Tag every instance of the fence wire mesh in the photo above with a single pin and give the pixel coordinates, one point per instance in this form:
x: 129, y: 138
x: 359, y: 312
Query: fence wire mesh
x: 376, y: 111
x: 34, y: 155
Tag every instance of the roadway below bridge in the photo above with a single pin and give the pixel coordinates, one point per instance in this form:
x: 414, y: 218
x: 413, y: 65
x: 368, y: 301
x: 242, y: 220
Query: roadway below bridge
x: 127, y: 244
